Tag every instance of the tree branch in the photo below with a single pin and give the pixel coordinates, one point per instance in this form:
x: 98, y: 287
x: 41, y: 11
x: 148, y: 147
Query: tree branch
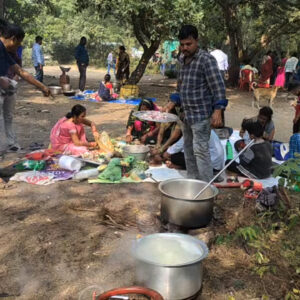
x: 139, y: 35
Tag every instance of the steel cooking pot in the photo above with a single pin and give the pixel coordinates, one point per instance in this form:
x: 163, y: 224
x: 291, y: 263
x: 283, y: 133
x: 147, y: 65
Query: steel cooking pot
x: 171, y: 264
x: 178, y: 206
x: 55, y: 90
x: 140, y: 152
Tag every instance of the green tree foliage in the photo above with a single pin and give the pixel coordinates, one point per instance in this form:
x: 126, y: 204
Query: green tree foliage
x: 251, y: 27
x: 61, y: 26
x: 150, y: 21
x: 244, y: 28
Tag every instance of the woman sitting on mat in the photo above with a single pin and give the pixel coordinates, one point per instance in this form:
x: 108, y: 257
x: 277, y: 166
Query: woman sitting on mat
x: 68, y: 134
x: 145, y: 131
x: 106, y: 90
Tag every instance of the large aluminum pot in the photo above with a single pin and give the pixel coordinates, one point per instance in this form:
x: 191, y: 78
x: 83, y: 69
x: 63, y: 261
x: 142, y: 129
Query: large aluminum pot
x: 178, y: 206
x: 171, y: 264
x: 140, y: 152
x: 55, y: 90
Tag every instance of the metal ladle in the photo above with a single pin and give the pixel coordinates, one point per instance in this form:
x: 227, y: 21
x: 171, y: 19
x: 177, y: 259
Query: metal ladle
x: 149, y: 175
x: 226, y: 166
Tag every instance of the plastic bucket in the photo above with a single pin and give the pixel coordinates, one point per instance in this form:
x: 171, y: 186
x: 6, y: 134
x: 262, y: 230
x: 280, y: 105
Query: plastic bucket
x: 69, y: 163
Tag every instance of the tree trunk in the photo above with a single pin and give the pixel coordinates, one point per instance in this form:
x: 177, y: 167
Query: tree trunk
x: 139, y: 71
x: 234, y: 68
x: 1, y: 9
x: 235, y: 43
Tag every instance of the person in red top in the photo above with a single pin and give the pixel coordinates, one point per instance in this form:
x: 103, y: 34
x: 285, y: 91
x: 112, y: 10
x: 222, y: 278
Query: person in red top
x: 266, y: 71
x: 106, y: 90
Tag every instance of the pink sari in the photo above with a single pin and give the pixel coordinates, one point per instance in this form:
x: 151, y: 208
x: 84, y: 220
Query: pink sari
x: 61, y: 140
x: 280, y: 79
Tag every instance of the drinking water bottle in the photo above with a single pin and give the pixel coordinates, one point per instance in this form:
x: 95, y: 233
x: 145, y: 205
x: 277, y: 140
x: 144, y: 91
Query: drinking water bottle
x: 229, y: 151
x: 86, y: 174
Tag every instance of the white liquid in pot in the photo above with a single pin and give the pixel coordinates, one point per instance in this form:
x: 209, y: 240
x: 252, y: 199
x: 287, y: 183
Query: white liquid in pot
x: 169, y: 251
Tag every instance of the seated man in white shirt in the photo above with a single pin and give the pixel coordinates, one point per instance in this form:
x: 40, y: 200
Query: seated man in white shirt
x: 174, y: 156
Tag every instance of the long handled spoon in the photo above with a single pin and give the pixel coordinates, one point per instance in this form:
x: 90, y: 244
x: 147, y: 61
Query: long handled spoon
x: 226, y: 166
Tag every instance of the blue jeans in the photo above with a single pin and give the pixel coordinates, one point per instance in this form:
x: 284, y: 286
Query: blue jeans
x: 111, y: 66
x: 39, y: 73
x: 196, y: 150
x: 162, y: 69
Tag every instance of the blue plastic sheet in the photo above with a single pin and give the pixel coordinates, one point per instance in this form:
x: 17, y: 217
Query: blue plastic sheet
x: 131, y: 101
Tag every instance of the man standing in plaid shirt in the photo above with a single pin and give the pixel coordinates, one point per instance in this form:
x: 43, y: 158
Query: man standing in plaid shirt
x: 202, y: 93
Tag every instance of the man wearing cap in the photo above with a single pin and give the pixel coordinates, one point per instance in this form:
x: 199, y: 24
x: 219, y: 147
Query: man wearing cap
x: 202, y: 94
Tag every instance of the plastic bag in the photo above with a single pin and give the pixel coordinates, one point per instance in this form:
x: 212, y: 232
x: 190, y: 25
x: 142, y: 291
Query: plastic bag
x: 105, y: 143
x: 36, y: 165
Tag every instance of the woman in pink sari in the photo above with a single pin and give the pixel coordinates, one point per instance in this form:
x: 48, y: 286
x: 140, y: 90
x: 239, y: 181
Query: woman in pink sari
x: 68, y: 135
x: 280, y: 79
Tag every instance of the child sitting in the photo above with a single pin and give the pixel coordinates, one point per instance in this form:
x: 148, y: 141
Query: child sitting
x: 256, y: 161
x: 106, y: 90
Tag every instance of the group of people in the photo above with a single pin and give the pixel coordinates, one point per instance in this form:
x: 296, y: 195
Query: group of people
x: 200, y: 102
x: 280, y: 72
x: 191, y: 143
x: 274, y: 70
x: 201, y: 99
x: 121, y: 64
x: 11, y: 37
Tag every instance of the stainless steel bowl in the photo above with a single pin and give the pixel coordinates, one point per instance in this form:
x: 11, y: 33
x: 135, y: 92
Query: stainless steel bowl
x: 55, y: 90
x: 140, y: 152
x: 178, y: 206
x: 181, y: 279
x: 65, y: 69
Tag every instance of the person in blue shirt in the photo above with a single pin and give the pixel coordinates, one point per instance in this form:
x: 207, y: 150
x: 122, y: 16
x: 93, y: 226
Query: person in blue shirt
x: 82, y: 59
x: 295, y: 141
x: 38, y: 58
x: 11, y: 37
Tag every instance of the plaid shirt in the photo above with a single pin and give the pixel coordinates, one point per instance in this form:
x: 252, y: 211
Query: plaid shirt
x: 294, y: 144
x: 201, y: 86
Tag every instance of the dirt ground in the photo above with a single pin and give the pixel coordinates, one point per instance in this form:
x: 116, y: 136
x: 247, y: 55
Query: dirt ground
x: 64, y: 240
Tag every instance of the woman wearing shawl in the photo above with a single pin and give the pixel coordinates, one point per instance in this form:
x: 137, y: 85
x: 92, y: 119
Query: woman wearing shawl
x: 266, y: 71
x: 145, y: 131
